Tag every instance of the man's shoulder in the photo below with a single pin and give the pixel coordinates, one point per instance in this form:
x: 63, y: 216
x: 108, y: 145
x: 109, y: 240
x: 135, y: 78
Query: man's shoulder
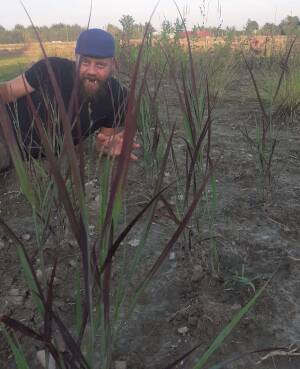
x: 61, y: 62
x: 56, y: 62
x: 57, y: 59
x: 38, y: 74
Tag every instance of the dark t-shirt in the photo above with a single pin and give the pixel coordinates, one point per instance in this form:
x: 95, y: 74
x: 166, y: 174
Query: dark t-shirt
x: 107, y: 110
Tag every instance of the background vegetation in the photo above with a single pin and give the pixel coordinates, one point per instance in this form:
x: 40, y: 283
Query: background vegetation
x: 128, y: 27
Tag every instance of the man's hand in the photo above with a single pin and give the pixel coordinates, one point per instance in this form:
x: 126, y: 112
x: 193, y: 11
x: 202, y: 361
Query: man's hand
x: 110, y: 142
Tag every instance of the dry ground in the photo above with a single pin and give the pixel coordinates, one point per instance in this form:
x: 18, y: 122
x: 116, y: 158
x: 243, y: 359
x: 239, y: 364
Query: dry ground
x: 261, y: 239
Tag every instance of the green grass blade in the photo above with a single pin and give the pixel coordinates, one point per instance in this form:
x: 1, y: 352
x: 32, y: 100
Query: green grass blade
x: 228, y: 328
x: 16, y: 350
x: 78, y: 304
x: 7, y: 129
x: 30, y: 281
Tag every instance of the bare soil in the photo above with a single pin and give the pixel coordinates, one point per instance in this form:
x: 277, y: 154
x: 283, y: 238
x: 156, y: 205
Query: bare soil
x: 185, y: 305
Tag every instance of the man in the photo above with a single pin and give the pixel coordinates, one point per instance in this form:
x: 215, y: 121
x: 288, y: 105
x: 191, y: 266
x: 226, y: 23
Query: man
x: 99, y: 100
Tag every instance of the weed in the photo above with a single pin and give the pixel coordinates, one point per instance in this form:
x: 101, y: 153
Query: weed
x: 265, y: 141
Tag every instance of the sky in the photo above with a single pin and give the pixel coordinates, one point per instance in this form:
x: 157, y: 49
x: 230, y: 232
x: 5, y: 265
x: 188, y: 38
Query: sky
x: 199, y: 12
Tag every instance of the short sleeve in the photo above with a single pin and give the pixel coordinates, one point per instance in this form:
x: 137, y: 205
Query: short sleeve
x: 37, y: 75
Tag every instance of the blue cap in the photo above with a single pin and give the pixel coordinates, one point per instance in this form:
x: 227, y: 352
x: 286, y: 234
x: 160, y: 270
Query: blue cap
x: 96, y: 43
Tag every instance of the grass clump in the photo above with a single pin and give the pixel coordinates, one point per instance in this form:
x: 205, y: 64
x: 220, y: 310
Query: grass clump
x: 58, y: 196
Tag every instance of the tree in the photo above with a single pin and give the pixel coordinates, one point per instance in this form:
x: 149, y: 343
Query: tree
x: 151, y: 29
x: 127, y: 23
x: 18, y: 34
x: 57, y: 32
x: 178, y: 27
x: 230, y: 32
x: 114, y: 30
x: 3, y: 34
x: 74, y: 31
x: 251, y: 27
x: 138, y: 31
x: 166, y: 29
x: 290, y: 25
x: 195, y: 30
x: 270, y: 29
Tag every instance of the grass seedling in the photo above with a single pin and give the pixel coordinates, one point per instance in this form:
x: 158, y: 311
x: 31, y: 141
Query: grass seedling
x: 240, y: 279
x: 266, y: 141
x: 285, y: 102
x: 196, y: 105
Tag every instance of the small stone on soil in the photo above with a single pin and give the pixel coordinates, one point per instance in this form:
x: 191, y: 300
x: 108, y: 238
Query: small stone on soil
x: 41, y: 357
x: 120, y: 365
x: 197, y: 273
x: 26, y: 237
x: 172, y: 256
x: 236, y: 307
x: 39, y: 275
x: 134, y: 243
x: 15, y: 300
x: 15, y: 296
x: 91, y: 184
x: 183, y: 330
x: 73, y: 263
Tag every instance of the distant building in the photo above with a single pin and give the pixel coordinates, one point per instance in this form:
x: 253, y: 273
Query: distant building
x: 199, y: 33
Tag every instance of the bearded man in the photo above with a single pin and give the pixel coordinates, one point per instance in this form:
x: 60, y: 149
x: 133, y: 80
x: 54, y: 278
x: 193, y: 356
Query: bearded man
x: 89, y: 92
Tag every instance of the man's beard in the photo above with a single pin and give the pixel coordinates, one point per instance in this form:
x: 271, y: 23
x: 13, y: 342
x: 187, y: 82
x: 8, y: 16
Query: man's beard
x: 91, y: 88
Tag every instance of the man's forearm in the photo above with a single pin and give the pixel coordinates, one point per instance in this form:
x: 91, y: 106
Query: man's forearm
x: 11, y: 90
x: 6, y: 94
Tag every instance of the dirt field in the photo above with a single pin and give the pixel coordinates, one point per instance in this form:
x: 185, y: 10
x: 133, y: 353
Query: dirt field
x: 184, y: 305
x: 33, y: 48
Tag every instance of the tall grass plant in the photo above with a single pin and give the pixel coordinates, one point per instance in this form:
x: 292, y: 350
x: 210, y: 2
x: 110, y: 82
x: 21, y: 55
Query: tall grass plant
x: 58, y: 198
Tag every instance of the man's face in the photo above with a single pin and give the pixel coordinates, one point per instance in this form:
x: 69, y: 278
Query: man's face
x: 93, y: 73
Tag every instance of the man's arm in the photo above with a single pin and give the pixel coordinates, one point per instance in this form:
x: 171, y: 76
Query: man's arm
x: 11, y: 90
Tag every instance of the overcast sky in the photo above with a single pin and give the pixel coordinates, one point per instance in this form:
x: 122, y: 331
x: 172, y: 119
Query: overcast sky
x: 224, y: 12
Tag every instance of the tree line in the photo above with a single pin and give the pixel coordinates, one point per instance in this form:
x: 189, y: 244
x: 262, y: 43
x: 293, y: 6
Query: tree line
x: 22, y: 34
x: 128, y: 29
x: 289, y: 26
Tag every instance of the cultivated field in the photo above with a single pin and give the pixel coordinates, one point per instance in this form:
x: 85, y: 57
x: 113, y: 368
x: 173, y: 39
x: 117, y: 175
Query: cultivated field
x: 15, y: 58
x: 216, y: 253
